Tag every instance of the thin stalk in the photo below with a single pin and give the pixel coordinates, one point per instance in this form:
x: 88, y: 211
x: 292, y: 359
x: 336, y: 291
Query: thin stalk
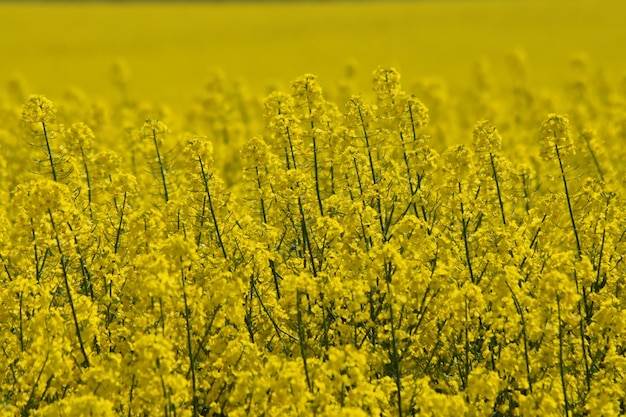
x: 130, y: 394
x: 317, y: 177
x: 87, y: 282
x: 69, y: 292
x: 6, y: 268
x: 561, y: 365
x: 38, y: 268
x: 205, y: 180
x: 109, y: 289
x: 373, y: 172
x: 367, y: 143
x: 302, y: 342
x: 88, y: 178
x: 520, y: 311
x: 21, y: 321
x: 495, y: 177
x: 166, y: 396
x: 199, y: 238
x: 395, y: 357
x: 317, y: 174
x: 49, y: 151
x: 161, y: 316
x: 465, y: 240
x: 366, y: 239
x: 30, y: 403
x: 532, y: 243
x: 293, y: 155
x: 306, y: 241
x: 249, y: 305
x: 264, y: 217
x: 466, y: 342
x: 277, y: 328
x: 207, y: 331
x: 600, y: 284
x: 161, y: 167
x: 581, y: 323
x: 419, y: 178
x: 569, y: 203
x: 408, y: 172
x: 595, y: 159
x: 118, y: 233
x: 579, y: 251
x: 192, y: 364
x: 287, y: 162
x: 526, y: 195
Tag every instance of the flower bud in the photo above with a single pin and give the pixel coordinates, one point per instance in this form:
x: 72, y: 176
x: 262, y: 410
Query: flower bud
x: 555, y: 137
x: 38, y: 109
x: 486, y: 137
x: 153, y: 130
x: 199, y: 148
x: 386, y: 83
x: 79, y: 136
x: 307, y: 87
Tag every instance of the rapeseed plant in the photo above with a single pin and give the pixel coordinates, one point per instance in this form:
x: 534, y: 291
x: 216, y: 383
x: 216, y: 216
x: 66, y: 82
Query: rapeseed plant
x: 352, y: 265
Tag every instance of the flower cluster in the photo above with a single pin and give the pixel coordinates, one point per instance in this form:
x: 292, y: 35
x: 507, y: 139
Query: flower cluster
x: 298, y: 256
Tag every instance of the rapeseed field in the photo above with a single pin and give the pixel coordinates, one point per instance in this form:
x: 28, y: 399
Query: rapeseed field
x: 318, y: 209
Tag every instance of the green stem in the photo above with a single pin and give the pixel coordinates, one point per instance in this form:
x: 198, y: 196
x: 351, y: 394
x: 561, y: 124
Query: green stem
x: 465, y: 223
x: 317, y: 176
x: 69, y: 292
x: 408, y: 173
x: 315, y: 164
x: 579, y: 251
x: 466, y: 336
x: 161, y: 167
x: 569, y: 203
x: 192, y: 364
x: 395, y: 357
x: 49, y: 151
x: 306, y: 241
x: 264, y: 216
x: 373, y: 172
x: 277, y: 328
x: 495, y: 177
x: 21, y: 321
x: 302, y: 342
x: 130, y: 395
x: 205, y: 180
x: 201, y: 225
x: 561, y: 365
x: 118, y: 233
x: 520, y: 311
x: 595, y: 160
x: 31, y: 403
x: 88, y: 178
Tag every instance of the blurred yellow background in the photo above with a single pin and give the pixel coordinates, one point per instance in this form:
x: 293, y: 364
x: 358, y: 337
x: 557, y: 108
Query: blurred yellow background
x: 171, y: 47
